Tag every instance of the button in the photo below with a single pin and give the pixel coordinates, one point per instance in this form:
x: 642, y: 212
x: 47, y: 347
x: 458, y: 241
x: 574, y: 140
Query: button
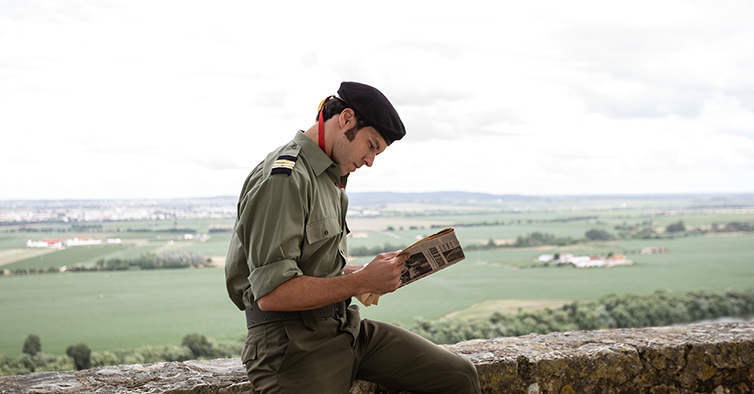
x: 327, y: 232
x: 294, y: 147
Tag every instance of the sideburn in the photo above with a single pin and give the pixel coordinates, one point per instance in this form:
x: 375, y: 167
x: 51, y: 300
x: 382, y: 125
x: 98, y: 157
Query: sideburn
x: 351, y: 133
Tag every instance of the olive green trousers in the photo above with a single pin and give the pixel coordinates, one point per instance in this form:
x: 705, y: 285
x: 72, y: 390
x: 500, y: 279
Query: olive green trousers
x: 289, y: 357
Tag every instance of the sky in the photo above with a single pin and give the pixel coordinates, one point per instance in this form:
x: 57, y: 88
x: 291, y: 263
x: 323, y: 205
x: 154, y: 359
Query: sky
x: 177, y: 98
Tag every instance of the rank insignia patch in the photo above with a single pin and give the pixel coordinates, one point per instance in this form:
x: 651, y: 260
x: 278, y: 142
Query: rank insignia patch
x: 284, y: 165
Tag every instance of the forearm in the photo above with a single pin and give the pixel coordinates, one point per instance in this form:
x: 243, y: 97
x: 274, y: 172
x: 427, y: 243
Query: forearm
x: 351, y: 268
x: 381, y: 275
x: 307, y: 292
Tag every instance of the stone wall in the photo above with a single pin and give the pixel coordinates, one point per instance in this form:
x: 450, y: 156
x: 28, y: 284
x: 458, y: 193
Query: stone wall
x: 710, y: 358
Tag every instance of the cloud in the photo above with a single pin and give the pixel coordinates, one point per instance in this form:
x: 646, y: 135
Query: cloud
x: 217, y: 162
x: 648, y: 60
x: 547, y: 97
x: 639, y: 101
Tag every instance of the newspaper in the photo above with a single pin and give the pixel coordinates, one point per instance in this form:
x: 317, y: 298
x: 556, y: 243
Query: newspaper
x: 429, y: 255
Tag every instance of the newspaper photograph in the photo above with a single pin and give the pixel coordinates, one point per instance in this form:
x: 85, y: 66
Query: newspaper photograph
x: 429, y: 255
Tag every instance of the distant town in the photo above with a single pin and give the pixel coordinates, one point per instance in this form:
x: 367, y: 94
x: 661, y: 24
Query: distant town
x: 70, y: 211
x: 361, y: 204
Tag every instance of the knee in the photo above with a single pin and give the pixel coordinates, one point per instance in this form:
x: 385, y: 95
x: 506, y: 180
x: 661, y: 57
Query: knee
x: 469, y: 376
x: 464, y: 377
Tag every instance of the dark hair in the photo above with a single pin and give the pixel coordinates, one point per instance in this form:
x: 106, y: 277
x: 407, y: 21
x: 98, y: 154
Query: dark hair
x: 334, y: 107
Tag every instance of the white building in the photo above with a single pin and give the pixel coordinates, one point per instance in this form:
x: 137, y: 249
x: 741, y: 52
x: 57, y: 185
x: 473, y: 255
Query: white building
x: 544, y: 258
x: 82, y: 241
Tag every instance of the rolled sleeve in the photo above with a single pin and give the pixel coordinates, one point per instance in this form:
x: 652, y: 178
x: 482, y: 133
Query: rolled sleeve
x: 266, y: 278
x: 276, y: 216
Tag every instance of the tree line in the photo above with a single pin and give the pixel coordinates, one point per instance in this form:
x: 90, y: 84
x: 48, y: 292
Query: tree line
x: 80, y: 356
x: 659, y: 308
x: 160, y: 260
x: 536, y: 238
x: 148, y: 261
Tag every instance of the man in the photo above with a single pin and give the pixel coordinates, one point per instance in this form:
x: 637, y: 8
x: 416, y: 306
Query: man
x: 286, y: 266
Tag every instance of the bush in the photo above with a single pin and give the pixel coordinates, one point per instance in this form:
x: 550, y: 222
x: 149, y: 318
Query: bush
x: 32, y: 345
x: 199, y: 345
x: 101, y: 359
x: 676, y: 227
x: 598, y: 235
x: 81, y: 355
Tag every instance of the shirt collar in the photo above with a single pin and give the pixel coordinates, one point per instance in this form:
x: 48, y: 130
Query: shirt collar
x: 318, y: 160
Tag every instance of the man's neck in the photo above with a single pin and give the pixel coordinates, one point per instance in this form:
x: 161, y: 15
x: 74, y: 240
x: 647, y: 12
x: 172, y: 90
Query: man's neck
x: 313, y: 134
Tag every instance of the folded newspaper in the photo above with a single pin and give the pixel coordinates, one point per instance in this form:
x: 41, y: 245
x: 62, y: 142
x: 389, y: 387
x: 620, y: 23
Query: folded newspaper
x: 429, y: 255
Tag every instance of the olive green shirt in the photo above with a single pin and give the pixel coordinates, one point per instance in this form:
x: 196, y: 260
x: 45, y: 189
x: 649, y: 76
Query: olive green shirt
x: 290, y: 222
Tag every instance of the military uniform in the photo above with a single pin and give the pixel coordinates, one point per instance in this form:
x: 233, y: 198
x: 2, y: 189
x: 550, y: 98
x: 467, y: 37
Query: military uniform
x: 291, y: 222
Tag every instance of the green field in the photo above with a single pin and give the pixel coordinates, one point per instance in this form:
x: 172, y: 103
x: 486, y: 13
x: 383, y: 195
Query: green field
x: 119, y: 309
x: 128, y: 309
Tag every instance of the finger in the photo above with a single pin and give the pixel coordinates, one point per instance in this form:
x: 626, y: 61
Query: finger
x: 389, y: 255
x: 401, y: 258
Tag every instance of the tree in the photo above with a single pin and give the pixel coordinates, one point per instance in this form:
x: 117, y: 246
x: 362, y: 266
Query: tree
x: 81, y: 355
x: 32, y: 345
x: 598, y: 235
x: 675, y: 227
x: 198, y: 344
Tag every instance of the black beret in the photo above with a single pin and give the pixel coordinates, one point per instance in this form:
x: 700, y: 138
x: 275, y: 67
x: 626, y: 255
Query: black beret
x: 371, y: 105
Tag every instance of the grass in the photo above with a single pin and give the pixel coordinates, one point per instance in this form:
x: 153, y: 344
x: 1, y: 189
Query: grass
x: 128, y: 309
x: 66, y: 257
x: 487, y: 308
x: 119, y: 309
x: 715, y: 263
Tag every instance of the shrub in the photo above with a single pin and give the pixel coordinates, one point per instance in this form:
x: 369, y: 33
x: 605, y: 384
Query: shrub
x: 598, y: 235
x: 198, y: 344
x: 81, y: 355
x: 32, y: 345
x: 676, y: 227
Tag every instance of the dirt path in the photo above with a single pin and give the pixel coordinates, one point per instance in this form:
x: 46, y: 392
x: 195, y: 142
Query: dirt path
x: 487, y: 308
x: 12, y: 255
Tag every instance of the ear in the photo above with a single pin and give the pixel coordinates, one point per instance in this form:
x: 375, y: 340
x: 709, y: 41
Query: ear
x: 346, y: 117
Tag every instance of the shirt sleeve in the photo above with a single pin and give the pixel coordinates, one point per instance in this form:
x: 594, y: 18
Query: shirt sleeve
x: 275, y: 214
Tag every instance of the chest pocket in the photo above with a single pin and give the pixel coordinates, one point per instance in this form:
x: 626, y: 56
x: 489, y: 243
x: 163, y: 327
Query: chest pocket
x: 322, y: 229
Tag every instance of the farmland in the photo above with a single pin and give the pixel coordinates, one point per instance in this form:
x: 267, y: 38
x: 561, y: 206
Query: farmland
x: 125, y: 309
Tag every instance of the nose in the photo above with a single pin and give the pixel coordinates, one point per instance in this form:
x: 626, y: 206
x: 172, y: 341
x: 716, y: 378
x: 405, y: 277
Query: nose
x: 369, y: 160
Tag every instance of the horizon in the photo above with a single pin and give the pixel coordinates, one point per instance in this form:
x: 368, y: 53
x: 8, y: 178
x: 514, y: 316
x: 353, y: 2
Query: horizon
x: 491, y: 195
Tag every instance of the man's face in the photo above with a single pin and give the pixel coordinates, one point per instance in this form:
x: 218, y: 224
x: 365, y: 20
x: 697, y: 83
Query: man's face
x: 351, y: 155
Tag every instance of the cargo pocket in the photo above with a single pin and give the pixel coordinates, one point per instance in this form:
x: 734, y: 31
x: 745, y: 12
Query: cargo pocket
x: 264, y: 349
x: 249, y: 352
x: 276, y: 345
x: 254, y: 337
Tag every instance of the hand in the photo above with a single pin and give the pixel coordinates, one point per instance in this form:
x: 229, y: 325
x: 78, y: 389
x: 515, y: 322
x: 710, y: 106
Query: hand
x: 383, y: 273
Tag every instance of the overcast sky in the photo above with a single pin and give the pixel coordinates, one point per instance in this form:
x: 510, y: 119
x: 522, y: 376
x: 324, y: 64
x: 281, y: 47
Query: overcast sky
x: 160, y: 99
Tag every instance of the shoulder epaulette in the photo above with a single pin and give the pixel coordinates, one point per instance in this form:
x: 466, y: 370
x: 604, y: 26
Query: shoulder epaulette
x: 284, y: 165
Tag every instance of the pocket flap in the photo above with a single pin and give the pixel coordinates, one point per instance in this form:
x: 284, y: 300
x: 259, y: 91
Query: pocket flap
x: 323, y: 229
x: 249, y: 352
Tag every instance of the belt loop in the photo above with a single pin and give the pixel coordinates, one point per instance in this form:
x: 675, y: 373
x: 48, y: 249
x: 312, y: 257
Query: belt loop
x: 341, y: 307
x: 310, y: 319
